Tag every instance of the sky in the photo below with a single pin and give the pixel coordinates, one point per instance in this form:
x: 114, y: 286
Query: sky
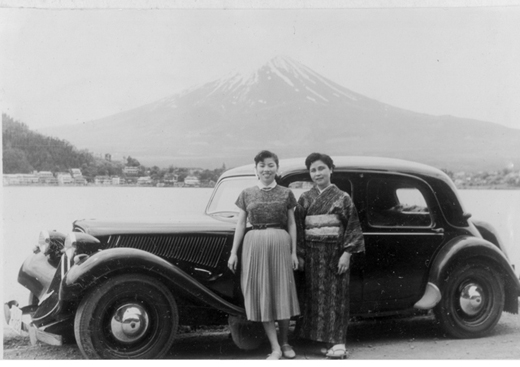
x: 68, y: 66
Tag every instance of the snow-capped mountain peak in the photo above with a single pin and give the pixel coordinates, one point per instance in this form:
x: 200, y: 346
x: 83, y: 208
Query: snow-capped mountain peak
x: 280, y: 78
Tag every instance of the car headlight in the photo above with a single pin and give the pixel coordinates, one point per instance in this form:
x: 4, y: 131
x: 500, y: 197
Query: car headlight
x: 44, y: 241
x: 78, y: 243
x: 70, y: 245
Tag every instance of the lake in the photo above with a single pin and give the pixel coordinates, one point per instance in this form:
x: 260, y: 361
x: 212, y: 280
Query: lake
x: 28, y: 210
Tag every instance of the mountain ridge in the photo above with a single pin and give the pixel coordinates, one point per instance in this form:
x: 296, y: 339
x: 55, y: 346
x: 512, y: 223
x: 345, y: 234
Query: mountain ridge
x: 289, y: 108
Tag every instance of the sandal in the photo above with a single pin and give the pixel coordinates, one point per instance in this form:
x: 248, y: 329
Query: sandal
x: 339, y: 353
x: 275, y: 355
x: 288, y: 351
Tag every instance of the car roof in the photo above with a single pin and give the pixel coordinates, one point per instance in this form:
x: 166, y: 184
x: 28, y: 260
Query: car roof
x: 348, y: 163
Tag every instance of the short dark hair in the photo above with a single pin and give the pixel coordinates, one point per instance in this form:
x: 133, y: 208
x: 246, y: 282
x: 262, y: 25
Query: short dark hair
x: 266, y: 154
x: 313, y: 157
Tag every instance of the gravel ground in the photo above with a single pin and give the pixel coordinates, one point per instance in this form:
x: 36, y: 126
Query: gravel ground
x: 402, y: 339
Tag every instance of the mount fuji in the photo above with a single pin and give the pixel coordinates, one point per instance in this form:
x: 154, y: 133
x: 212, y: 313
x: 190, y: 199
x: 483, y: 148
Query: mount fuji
x: 286, y: 107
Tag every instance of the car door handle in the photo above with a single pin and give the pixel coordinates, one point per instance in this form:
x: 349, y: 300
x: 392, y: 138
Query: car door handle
x: 438, y: 230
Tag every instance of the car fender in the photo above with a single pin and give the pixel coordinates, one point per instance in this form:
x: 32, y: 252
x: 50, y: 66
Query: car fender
x: 100, y: 266
x: 36, y: 274
x: 489, y: 233
x: 462, y: 249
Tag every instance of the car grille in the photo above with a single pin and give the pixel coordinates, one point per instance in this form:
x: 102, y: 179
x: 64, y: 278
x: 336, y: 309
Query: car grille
x: 200, y: 250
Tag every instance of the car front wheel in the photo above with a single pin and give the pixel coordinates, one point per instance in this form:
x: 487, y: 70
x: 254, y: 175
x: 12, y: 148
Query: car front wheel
x: 128, y: 316
x: 472, y: 301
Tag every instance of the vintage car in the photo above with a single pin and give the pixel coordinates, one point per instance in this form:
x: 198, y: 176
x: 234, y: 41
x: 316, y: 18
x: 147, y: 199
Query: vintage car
x: 122, y: 288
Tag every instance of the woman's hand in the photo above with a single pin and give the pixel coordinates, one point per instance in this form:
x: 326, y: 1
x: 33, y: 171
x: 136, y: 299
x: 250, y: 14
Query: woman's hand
x: 294, y: 260
x: 232, y: 263
x: 344, y: 263
x: 301, y: 263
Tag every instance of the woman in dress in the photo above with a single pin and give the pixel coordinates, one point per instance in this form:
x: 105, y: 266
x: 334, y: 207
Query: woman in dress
x: 328, y: 234
x: 268, y: 254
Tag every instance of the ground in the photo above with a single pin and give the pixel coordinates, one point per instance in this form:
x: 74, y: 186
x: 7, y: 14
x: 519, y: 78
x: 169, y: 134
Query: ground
x: 416, y: 338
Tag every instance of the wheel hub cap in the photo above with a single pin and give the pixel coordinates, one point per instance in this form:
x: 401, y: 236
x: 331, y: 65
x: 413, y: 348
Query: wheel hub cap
x: 129, y: 323
x: 471, y: 300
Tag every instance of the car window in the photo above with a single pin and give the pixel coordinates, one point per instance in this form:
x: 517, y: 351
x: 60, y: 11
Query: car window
x: 411, y: 197
x: 299, y: 187
x: 302, y: 184
x: 396, y: 203
x: 226, y: 194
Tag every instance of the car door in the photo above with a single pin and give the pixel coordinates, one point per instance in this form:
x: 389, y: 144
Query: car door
x: 401, y: 236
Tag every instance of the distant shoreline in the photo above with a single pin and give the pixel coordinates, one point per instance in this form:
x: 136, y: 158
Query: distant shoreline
x: 489, y: 187
x: 483, y: 187
x: 121, y: 186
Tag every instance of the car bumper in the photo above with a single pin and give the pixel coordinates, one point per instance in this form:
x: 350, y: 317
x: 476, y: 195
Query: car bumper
x: 20, y: 321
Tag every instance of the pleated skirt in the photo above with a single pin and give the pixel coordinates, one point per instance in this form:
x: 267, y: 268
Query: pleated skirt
x: 267, y: 277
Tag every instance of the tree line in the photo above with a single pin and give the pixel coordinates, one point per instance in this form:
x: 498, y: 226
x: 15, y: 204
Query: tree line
x: 26, y: 151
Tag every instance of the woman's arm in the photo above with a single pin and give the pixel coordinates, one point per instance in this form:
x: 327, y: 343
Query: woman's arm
x: 352, y: 239
x: 299, y: 217
x: 291, y: 228
x: 237, y: 240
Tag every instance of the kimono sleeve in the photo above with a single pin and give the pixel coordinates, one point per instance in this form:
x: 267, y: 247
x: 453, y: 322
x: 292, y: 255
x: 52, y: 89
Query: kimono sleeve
x: 353, y: 240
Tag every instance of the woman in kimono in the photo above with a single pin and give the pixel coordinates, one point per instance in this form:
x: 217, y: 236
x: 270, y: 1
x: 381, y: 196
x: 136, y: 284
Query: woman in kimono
x: 268, y: 254
x: 328, y: 234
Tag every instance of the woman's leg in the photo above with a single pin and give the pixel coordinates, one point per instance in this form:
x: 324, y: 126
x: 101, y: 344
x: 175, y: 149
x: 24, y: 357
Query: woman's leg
x: 284, y: 331
x: 270, y: 330
x: 287, y: 350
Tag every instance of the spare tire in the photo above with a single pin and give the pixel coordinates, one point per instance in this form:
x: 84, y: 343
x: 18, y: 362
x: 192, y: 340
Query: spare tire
x: 246, y: 335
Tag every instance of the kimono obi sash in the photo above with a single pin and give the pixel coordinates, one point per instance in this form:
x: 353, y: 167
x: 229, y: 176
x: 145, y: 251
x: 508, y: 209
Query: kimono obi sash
x: 323, y: 228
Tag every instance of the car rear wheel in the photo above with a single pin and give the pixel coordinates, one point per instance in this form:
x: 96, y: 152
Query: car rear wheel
x: 472, y: 301
x: 128, y: 316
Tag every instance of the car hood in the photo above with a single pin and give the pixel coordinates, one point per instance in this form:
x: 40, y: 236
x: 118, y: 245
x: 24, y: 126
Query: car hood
x: 162, y: 225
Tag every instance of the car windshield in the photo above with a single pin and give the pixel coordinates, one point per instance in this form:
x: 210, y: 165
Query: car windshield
x: 222, y: 203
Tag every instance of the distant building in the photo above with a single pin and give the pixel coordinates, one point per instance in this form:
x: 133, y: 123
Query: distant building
x: 21, y: 179
x: 80, y: 180
x: 116, y: 180
x: 12, y: 179
x: 102, y: 180
x: 78, y: 176
x: 30, y: 178
x: 47, y: 178
x: 64, y: 178
x: 145, y: 180
x: 75, y: 172
x: 108, y: 157
x: 170, y: 179
x: 129, y: 170
x: 191, y: 181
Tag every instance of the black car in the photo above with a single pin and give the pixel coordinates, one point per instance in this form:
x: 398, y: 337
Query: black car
x: 121, y: 289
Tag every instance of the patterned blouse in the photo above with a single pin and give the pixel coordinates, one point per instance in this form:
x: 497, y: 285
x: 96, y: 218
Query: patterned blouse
x: 267, y: 207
